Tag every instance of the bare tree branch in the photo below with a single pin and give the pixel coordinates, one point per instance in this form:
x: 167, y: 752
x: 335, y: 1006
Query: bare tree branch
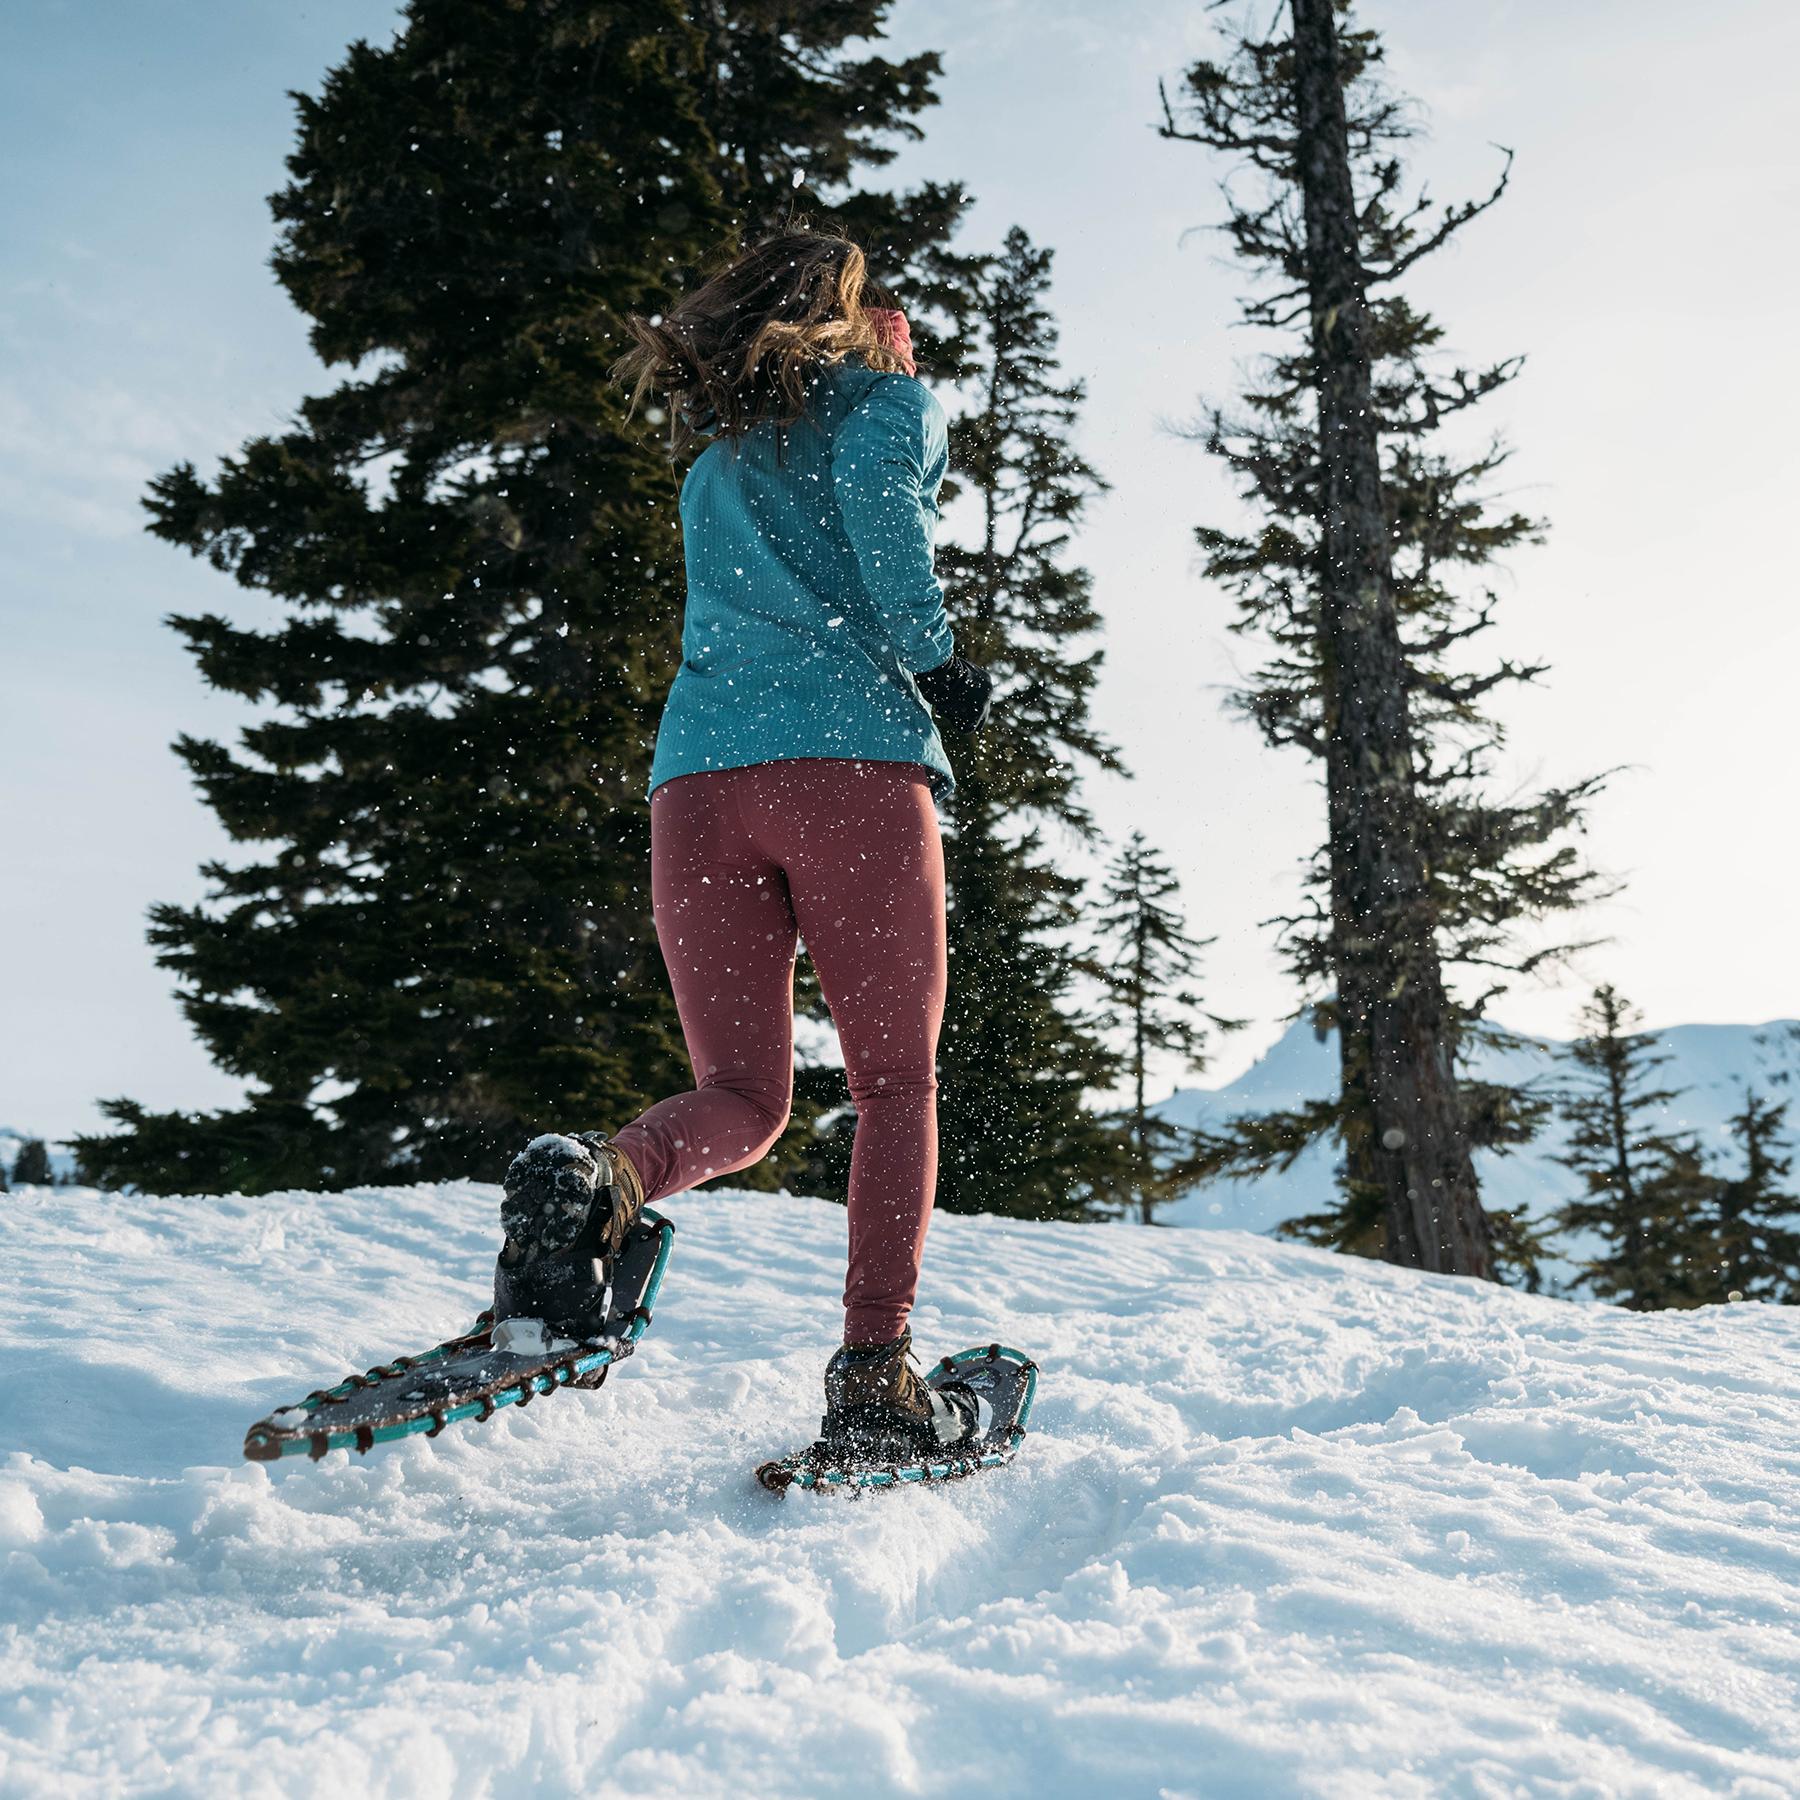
x: 1455, y: 218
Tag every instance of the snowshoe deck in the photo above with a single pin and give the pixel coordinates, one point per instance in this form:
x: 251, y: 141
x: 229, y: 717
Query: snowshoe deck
x: 1004, y: 1380
x: 467, y: 1377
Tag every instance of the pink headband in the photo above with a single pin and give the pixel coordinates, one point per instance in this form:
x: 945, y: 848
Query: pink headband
x: 895, y: 334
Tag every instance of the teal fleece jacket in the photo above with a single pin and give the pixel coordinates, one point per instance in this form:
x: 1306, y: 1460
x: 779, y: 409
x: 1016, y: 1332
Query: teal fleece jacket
x: 811, y: 599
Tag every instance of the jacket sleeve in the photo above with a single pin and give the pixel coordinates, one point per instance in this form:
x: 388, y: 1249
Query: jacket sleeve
x: 878, y: 469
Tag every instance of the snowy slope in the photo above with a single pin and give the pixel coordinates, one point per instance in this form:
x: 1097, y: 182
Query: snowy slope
x: 1712, y: 1063
x: 1289, y: 1524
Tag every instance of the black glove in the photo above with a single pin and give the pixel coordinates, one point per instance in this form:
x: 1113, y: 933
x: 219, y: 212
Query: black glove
x: 960, y: 692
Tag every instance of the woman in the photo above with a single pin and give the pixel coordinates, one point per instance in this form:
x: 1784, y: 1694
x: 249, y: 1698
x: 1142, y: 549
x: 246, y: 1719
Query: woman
x: 791, y: 796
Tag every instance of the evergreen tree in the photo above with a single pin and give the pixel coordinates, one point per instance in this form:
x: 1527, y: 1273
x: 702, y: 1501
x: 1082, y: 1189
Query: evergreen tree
x: 1146, y: 962
x: 31, y: 1166
x: 1752, y: 1249
x: 442, y: 938
x: 1358, y: 577
x: 1646, y: 1190
x: 1019, y: 1061
x: 795, y: 117
x: 1520, y: 1241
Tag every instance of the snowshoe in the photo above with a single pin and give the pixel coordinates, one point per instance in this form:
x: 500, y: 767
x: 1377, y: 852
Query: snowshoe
x: 497, y: 1363
x: 859, y: 1450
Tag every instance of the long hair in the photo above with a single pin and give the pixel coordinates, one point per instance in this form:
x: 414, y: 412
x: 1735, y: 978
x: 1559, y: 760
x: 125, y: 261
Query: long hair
x: 744, y: 346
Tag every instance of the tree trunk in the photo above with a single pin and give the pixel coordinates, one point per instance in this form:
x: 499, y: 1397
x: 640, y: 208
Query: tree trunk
x: 1404, y: 1127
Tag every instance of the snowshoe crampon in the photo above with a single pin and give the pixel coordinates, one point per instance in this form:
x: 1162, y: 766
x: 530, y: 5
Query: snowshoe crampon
x: 1004, y: 1382
x: 473, y: 1376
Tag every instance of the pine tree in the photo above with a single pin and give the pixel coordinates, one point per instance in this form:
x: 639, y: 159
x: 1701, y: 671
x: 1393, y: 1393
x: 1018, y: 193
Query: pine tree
x: 442, y: 937
x: 1646, y: 1190
x: 1018, y: 1060
x: 1752, y: 1243
x: 31, y: 1166
x: 1146, y: 961
x: 1358, y: 578
x: 796, y: 117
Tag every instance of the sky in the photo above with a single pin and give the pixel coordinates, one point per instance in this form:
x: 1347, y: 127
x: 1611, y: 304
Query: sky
x: 1645, y: 261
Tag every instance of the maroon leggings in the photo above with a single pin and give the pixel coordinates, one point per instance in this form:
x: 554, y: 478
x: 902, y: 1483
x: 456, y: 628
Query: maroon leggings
x: 845, y: 855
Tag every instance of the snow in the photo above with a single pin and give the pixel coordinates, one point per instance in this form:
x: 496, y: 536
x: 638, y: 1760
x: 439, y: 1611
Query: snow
x: 556, y: 1140
x: 528, y: 1337
x: 1287, y: 1524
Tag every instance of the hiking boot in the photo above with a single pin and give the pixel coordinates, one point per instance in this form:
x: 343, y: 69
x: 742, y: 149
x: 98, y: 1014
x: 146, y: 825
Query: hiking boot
x: 570, y: 1204
x: 878, y: 1406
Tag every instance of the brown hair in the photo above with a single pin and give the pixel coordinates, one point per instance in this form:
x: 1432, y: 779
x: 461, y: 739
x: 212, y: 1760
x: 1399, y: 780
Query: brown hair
x: 743, y: 346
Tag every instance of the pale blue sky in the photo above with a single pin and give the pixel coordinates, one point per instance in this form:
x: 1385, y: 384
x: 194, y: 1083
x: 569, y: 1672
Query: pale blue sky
x: 1645, y: 261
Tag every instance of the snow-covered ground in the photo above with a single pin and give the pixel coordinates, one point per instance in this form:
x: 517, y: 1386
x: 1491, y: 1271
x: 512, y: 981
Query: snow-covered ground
x: 1288, y: 1524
